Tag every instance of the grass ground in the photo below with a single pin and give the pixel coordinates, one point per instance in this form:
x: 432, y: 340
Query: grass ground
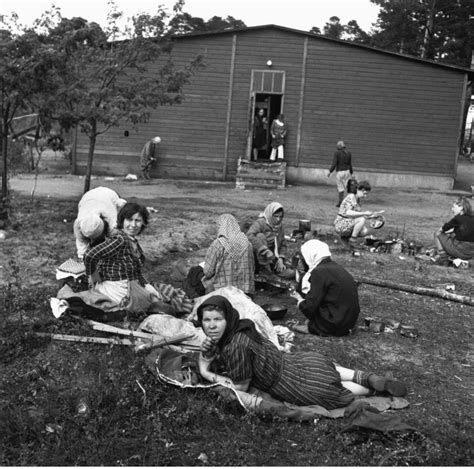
x: 134, y: 420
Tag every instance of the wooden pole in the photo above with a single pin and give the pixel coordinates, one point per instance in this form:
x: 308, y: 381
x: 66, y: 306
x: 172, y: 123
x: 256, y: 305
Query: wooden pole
x: 467, y: 300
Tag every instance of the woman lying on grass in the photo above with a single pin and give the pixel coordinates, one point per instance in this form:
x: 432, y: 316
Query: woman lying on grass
x: 249, y: 359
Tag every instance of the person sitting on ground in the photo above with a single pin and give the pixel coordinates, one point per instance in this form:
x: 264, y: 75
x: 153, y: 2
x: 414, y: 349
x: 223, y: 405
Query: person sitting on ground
x: 251, y: 360
x: 350, y: 221
x: 327, y: 294
x: 96, y: 217
x: 266, y: 234
x: 229, y: 260
x: 456, y: 237
x: 114, y: 268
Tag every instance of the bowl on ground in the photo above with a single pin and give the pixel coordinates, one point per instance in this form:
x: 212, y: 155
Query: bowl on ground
x: 274, y: 311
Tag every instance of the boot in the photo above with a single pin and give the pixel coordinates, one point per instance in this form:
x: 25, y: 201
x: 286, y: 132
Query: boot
x: 341, y: 198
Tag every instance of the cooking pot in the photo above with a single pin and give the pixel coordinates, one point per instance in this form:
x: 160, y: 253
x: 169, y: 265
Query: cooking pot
x: 274, y: 311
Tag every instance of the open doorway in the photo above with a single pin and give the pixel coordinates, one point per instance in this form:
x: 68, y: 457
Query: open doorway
x: 266, y: 107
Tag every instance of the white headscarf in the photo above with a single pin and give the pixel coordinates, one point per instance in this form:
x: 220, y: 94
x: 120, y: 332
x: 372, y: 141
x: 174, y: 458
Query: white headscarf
x: 313, y: 251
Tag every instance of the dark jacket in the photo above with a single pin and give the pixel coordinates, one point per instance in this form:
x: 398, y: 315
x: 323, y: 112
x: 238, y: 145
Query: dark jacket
x: 342, y: 161
x: 332, y: 303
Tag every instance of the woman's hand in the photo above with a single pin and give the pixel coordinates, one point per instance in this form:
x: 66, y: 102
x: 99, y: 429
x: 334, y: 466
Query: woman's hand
x: 294, y: 294
x: 208, y: 347
x: 280, y: 265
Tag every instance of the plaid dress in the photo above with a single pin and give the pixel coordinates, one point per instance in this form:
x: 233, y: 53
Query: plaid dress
x: 305, y: 378
x: 229, y: 259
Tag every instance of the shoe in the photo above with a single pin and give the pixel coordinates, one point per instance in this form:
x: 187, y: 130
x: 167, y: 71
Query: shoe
x: 287, y: 274
x: 390, y: 385
x: 440, y: 260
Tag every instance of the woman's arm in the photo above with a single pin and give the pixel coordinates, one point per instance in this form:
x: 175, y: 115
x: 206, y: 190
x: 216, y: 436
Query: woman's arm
x: 213, y: 254
x: 212, y: 377
x: 108, y: 248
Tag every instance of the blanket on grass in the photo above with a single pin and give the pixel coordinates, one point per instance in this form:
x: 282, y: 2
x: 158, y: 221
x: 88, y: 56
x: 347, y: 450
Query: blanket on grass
x: 182, y: 370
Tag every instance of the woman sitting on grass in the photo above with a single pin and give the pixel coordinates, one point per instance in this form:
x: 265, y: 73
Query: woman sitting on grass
x: 249, y: 359
x: 229, y: 262
x: 456, y: 237
x: 350, y: 221
x: 329, y: 297
x: 266, y: 234
x: 114, y: 269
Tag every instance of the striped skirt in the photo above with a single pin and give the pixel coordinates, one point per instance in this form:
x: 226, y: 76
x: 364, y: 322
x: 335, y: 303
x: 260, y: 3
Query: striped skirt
x: 309, y: 378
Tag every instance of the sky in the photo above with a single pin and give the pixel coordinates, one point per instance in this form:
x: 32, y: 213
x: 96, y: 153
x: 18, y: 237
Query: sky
x: 297, y: 14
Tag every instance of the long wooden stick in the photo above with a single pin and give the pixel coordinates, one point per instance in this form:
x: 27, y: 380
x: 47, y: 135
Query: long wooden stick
x: 104, y: 340
x: 467, y: 300
x: 155, y: 338
x: 80, y: 338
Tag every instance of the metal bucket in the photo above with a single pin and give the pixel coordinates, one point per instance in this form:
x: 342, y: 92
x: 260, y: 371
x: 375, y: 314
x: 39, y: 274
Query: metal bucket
x: 305, y: 225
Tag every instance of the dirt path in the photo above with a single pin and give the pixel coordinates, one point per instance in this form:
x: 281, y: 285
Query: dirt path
x: 413, y: 214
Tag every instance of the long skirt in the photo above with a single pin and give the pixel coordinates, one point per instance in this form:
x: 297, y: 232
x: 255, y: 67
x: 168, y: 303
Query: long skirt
x: 310, y: 378
x: 460, y: 249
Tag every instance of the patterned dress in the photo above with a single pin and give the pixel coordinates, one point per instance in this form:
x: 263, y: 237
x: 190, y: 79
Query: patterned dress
x: 305, y: 378
x: 342, y: 224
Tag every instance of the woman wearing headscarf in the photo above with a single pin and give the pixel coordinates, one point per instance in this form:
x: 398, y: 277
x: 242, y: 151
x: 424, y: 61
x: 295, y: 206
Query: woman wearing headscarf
x: 246, y: 359
x: 329, y: 297
x: 96, y: 218
x: 229, y: 260
x: 266, y: 234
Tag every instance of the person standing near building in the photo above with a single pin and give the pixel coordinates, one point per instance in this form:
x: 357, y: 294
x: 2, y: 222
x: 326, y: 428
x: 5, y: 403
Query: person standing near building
x: 259, y: 141
x: 148, y: 156
x: 342, y: 163
x: 278, y: 131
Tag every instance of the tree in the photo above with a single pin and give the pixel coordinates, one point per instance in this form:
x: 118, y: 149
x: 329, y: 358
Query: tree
x: 432, y: 29
x: 184, y: 23
x: 333, y: 28
x: 26, y: 74
x: 105, y: 81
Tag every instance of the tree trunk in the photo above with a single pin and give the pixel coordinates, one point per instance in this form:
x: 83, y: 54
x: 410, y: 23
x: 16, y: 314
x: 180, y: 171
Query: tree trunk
x: 467, y: 300
x: 90, y: 157
x: 4, y: 161
x: 428, y: 30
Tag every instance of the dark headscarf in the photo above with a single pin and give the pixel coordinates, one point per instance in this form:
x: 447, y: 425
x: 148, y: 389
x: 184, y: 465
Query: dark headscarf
x: 232, y: 317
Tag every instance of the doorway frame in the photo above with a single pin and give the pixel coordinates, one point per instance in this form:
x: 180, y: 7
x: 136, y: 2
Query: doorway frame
x: 267, y: 87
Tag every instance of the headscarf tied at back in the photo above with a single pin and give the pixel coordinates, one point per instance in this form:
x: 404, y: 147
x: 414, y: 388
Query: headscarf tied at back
x: 313, y: 251
x: 268, y: 213
x: 232, y: 317
x: 231, y: 237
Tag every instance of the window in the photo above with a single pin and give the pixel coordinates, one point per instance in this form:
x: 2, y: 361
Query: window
x: 265, y: 81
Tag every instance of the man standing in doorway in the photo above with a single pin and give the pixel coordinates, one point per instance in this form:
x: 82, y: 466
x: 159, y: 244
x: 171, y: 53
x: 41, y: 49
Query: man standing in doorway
x: 342, y: 163
x: 148, y: 156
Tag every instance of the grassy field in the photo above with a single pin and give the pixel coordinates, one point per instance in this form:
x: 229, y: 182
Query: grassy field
x: 134, y: 420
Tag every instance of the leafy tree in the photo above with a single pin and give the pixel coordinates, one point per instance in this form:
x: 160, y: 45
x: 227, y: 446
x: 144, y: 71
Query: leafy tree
x: 333, y: 28
x: 105, y: 80
x: 433, y: 29
x: 26, y: 74
x: 184, y: 23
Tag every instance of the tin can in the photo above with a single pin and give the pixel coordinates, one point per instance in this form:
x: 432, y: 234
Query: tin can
x: 356, y: 253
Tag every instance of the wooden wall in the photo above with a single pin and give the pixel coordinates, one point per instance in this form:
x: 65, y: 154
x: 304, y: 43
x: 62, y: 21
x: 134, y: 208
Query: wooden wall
x: 395, y: 114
